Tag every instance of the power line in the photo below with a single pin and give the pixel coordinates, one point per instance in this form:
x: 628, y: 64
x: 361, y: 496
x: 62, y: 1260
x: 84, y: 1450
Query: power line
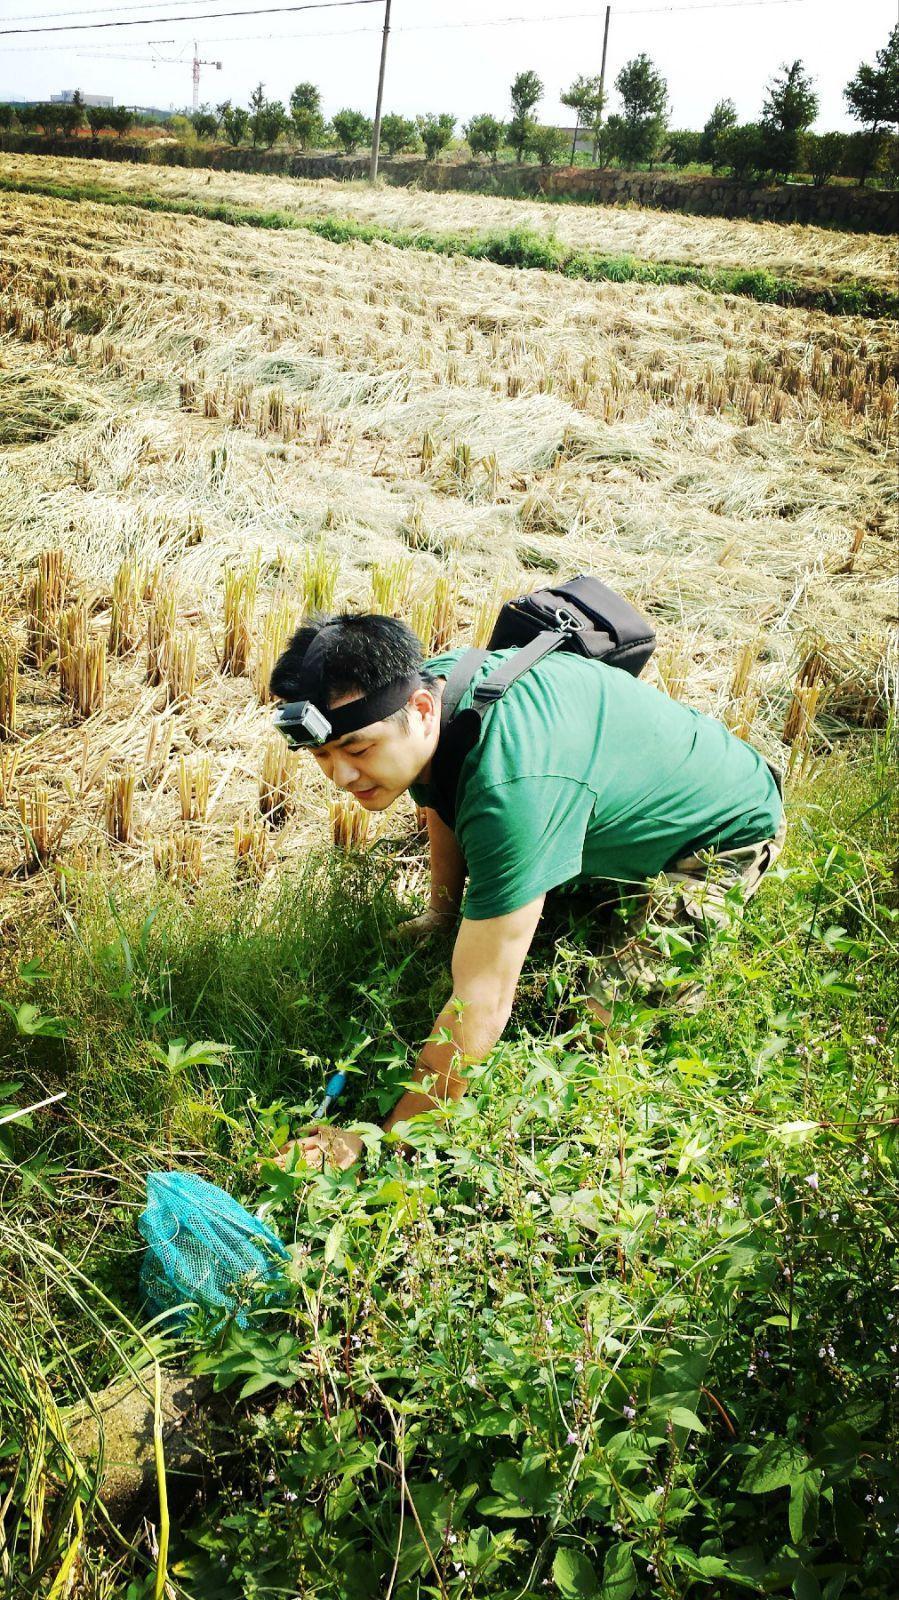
x: 91, y: 11
x: 144, y: 22
x: 495, y: 22
x: 419, y: 27
x: 502, y: 22
x: 228, y: 38
x: 595, y: 16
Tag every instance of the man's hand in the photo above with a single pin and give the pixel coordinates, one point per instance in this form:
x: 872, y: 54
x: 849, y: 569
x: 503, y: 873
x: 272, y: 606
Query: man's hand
x: 422, y: 927
x: 321, y: 1147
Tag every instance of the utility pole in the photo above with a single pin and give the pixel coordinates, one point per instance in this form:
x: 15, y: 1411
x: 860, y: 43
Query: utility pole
x: 602, y: 85
x: 602, y: 70
x: 376, y: 131
x: 602, y: 90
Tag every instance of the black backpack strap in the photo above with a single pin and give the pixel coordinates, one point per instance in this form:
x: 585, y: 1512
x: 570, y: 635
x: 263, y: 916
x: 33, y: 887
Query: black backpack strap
x: 457, y: 682
x: 459, y: 734
x: 496, y: 683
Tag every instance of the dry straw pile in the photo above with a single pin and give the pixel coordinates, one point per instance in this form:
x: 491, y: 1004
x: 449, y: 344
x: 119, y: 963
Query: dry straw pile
x: 231, y: 429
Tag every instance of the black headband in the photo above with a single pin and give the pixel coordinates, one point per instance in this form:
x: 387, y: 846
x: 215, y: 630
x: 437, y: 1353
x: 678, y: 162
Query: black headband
x: 356, y: 714
x: 372, y: 707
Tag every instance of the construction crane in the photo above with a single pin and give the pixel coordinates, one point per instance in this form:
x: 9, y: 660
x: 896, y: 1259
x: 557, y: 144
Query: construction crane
x: 197, y: 64
x: 158, y: 60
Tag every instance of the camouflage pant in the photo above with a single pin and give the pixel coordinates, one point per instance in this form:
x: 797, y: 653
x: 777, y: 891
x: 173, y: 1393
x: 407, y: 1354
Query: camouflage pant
x: 699, y: 897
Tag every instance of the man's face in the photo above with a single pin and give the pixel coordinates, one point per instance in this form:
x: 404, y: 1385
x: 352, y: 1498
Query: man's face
x: 378, y: 763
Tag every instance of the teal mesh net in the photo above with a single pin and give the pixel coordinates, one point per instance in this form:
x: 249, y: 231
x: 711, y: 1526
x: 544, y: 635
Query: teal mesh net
x: 204, y: 1248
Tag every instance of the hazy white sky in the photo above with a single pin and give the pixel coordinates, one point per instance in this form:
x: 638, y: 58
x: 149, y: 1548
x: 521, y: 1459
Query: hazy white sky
x: 444, y: 55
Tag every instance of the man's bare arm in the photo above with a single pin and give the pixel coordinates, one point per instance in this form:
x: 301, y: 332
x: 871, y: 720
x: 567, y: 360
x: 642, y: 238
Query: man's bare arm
x: 447, y: 866
x: 487, y: 962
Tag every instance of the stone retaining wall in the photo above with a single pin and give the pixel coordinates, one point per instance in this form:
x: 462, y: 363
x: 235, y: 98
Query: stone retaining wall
x: 834, y: 206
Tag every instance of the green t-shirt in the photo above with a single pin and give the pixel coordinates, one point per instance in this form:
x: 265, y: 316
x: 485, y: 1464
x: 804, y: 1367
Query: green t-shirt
x: 583, y: 771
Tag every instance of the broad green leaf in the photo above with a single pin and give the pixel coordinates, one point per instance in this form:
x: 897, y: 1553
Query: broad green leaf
x: 804, y: 1495
x: 710, y: 1567
x: 684, y: 1418
x: 806, y: 1585
x: 795, y: 1132
x: 778, y: 1463
x: 575, y: 1576
x: 334, y: 1244
x: 33, y: 971
x: 31, y: 1023
x: 619, y: 1575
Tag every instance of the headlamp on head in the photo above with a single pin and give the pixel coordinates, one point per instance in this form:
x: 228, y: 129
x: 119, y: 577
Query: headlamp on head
x: 302, y: 724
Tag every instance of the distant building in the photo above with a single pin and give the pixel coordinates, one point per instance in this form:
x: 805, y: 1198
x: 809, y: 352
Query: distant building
x: 584, y: 143
x: 68, y: 95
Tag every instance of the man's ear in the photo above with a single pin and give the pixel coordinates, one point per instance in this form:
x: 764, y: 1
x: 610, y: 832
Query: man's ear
x: 426, y: 703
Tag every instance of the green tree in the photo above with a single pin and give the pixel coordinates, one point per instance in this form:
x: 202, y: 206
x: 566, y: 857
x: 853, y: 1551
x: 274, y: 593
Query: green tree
x: 257, y: 106
x: 271, y: 122
x: 525, y: 92
x: 520, y: 134
x: 790, y: 106
x: 586, y: 98
x: 352, y: 129
x: 63, y: 118
x: 306, y: 114
x: 872, y: 98
x: 205, y: 124
x: 719, y: 124
x: 6, y: 116
x: 119, y: 119
x: 485, y: 134
x: 745, y: 150
x: 306, y: 97
x: 436, y: 131
x: 235, y: 123
x: 398, y: 133
x: 822, y: 154
x: 644, y: 96
x: 682, y: 146
x: 608, y: 140
x: 548, y: 144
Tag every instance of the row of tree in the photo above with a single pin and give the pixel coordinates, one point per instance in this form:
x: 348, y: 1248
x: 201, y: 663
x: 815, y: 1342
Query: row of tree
x: 777, y: 144
x: 67, y: 118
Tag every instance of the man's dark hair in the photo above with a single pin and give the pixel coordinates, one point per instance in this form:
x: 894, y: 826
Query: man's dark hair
x: 357, y: 654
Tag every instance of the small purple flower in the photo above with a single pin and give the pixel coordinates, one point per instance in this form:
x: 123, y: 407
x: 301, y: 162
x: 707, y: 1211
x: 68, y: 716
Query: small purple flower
x: 812, y: 1180
x: 628, y: 1413
x: 571, y: 1437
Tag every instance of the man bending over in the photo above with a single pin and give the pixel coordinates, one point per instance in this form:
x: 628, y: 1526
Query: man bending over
x: 580, y: 772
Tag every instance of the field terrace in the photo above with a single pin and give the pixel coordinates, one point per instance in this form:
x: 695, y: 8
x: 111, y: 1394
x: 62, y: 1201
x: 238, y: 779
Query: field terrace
x: 807, y: 254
